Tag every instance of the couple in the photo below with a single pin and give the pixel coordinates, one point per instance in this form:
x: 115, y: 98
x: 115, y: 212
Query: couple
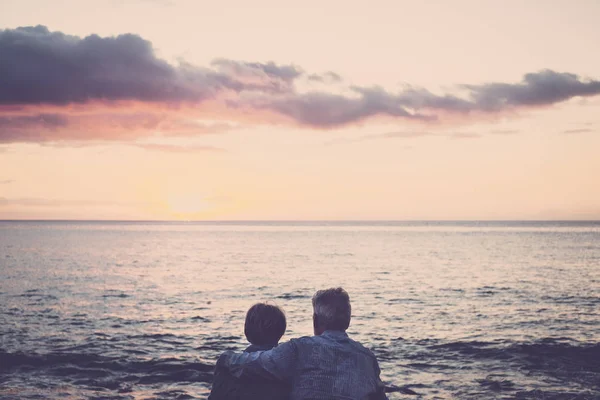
x: 328, y: 365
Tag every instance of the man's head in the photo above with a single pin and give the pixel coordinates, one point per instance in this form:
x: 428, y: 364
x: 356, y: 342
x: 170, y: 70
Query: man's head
x: 331, y: 310
x: 265, y: 324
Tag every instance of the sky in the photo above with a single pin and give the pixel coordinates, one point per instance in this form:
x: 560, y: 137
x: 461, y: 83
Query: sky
x: 313, y: 110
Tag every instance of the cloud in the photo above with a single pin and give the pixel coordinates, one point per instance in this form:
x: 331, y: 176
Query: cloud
x: 42, y: 67
x: 58, y: 87
x: 106, y: 124
x: 278, y: 76
x: 25, y: 128
x: 536, y: 89
x: 573, y: 131
x: 327, y: 77
x: 326, y: 110
x: 6, y: 181
x: 50, y: 121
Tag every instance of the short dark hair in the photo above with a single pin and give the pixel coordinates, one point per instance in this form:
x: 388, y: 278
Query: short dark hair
x: 332, y: 308
x: 265, y: 324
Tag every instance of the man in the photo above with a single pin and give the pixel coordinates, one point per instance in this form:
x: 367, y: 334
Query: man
x: 326, y: 366
x: 265, y: 325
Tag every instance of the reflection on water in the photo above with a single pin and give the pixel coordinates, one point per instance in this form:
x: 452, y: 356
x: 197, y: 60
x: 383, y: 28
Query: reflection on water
x: 138, y: 310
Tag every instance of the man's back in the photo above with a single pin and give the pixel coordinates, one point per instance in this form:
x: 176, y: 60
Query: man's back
x: 329, y: 366
x: 333, y: 366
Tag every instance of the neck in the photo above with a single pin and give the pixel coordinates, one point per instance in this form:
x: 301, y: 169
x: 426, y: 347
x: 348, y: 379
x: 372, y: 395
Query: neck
x: 320, y: 331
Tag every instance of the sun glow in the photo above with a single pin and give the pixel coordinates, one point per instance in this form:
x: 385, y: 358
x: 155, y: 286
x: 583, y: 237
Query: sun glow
x: 187, y: 204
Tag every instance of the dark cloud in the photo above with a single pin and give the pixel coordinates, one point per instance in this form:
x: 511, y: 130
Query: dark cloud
x: 572, y: 131
x: 325, y: 110
x: 40, y: 68
x: 537, y: 89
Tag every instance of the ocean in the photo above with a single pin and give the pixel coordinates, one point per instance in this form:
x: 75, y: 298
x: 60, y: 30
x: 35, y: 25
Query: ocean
x: 142, y: 310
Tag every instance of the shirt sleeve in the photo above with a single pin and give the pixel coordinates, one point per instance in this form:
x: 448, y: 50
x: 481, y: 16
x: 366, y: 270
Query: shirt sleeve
x: 277, y: 364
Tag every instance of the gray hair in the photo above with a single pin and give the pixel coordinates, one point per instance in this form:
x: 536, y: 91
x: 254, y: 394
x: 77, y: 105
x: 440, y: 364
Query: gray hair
x: 332, y: 308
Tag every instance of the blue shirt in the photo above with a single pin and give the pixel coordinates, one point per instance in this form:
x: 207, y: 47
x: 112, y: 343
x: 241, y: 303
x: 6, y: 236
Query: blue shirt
x: 325, y: 367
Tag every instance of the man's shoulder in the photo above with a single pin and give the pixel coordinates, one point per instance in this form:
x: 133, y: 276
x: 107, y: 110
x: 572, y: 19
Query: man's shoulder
x: 323, y: 340
x: 359, y: 347
x: 362, y: 347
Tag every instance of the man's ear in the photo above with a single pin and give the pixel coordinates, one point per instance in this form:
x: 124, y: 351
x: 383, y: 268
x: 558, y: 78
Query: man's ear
x: 316, y: 325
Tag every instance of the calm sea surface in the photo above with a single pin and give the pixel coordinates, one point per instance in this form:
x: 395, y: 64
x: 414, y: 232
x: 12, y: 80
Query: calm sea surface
x: 117, y: 310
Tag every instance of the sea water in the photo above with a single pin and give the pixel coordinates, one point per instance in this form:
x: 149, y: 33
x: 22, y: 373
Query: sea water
x: 140, y: 310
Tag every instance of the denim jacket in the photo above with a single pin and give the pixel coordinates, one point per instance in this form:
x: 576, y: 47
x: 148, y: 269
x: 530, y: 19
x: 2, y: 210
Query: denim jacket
x: 326, y: 367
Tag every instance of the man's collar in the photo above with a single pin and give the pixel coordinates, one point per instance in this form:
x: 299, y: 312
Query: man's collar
x: 335, y: 334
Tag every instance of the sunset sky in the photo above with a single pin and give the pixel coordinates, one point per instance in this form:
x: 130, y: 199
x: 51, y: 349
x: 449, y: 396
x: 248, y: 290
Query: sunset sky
x: 320, y: 110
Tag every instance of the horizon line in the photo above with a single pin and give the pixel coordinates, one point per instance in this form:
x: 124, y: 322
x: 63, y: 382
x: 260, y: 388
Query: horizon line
x: 295, y: 220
